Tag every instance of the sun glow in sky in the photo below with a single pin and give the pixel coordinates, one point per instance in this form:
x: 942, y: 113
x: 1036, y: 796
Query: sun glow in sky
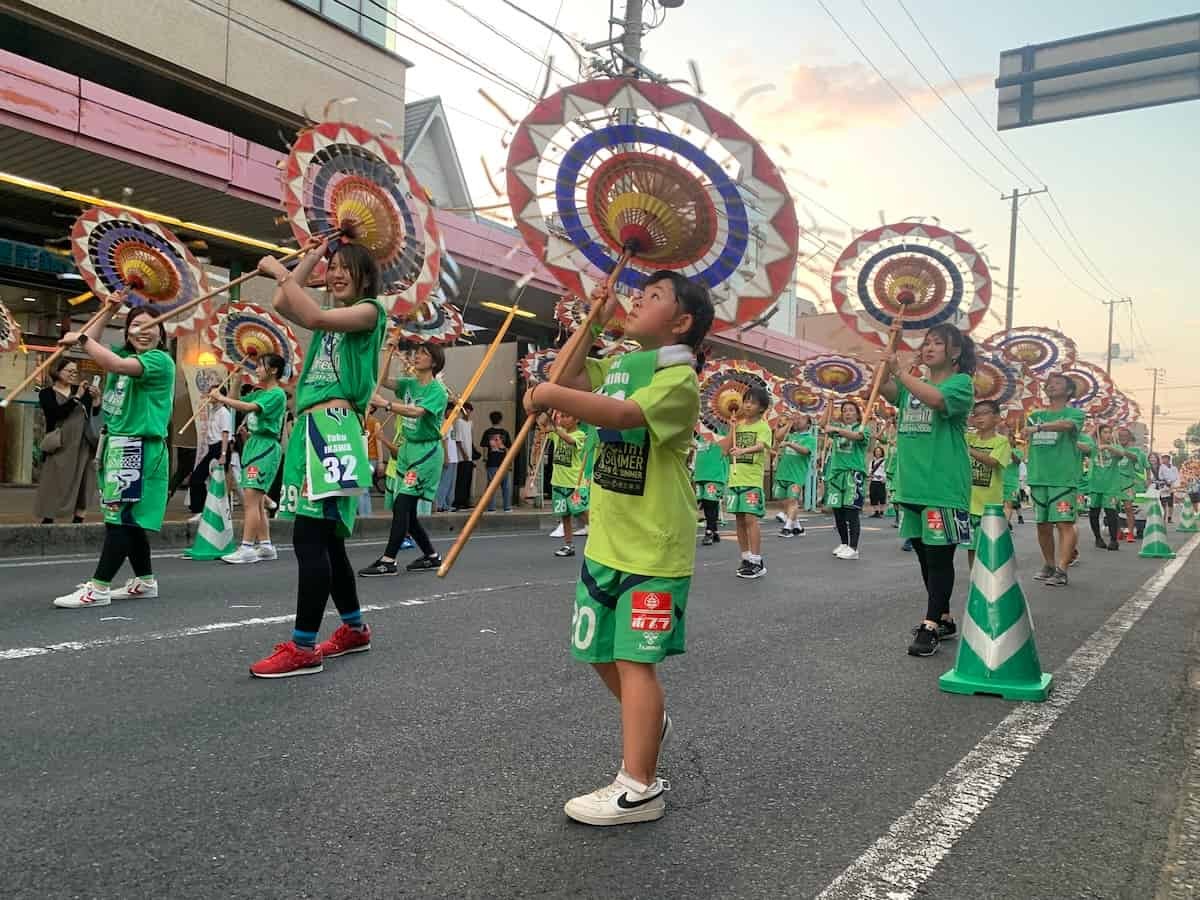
x: 861, y: 156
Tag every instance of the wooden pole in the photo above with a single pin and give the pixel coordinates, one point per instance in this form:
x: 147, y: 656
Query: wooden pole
x: 204, y: 403
x: 483, y: 364
x: 893, y: 339
x: 567, y: 359
x: 47, y: 362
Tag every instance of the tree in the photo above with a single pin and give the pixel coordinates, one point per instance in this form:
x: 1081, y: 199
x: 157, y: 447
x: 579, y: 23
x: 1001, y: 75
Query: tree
x: 1192, y: 435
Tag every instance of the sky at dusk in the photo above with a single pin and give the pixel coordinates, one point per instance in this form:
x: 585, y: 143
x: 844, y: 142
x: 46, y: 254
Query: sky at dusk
x: 1124, y: 181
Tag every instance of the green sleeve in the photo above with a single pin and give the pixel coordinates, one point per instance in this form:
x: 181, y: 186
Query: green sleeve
x: 1076, y: 417
x: 158, y: 369
x: 597, y: 370
x: 866, y: 430
x: 669, y: 403
x: 1003, y: 454
x: 958, y: 392
x: 767, y: 435
x: 272, y: 403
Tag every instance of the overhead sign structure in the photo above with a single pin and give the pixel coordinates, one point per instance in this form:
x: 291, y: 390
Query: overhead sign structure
x: 1108, y: 71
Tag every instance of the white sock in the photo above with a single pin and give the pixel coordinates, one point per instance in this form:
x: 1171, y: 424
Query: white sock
x: 791, y: 523
x: 745, y: 555
x: 755, y: 558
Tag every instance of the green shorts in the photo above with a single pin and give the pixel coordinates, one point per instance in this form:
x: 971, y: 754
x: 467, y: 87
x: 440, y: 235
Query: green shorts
x: 748, y: 499
x: 935, y: 525
x: 295, y: 499
x: 638, y: 618
x: 710, y: 490
x: 789, y: 490
x: 844, y: 490
x: 419, y: 469
x: 975, y: 531
x: 146, y: 513
x: 261, y: 457
x: 1013, y: 496
x: 1053, y: 504
x: 569, y: 501
x: 1126, y: 495
x: 1102, y: 501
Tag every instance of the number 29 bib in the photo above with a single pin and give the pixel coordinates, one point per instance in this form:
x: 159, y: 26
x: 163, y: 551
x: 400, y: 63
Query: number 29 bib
x: 335, y: 457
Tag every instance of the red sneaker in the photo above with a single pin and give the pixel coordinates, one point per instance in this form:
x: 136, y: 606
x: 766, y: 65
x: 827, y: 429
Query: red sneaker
x: 287, y: 660
x: 345, y: 640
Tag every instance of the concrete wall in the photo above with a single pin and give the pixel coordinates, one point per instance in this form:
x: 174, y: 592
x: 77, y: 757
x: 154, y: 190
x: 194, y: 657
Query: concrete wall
x: 271, y: 53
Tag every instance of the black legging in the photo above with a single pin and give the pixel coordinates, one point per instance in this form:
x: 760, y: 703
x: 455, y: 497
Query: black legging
x: 122, y: 542
x: 404, y: 523
x: 711, y: 510
x: 324, y: 572
x: 849, y: 524
x: 1110, y: 520
x: 937, y: 571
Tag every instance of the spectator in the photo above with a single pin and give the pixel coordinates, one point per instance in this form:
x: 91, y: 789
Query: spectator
x: 69, y: 444
x: 445, y: 491
x: 218, y: 436
x: 1166, y: 479
x: 467, y: 454
x: 495, y: 443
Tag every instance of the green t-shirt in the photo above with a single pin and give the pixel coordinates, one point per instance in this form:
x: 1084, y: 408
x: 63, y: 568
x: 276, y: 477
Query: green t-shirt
x: 1132, y: 472
x: 568, y: 459
x: 711, y: 463
x: 273, y: 405
x: 748, y: 471
x: 793, y: 466
x: 1012, y: 472
x: 1087, y: 461
x: 651, y: 528
x: 589, y: 452
x: 932, y: 465
x: 430, y: 397
x: 846, y: 455
x: 1105, y: 475
x: 1054, y: 456
x: 140, y: 405
x: 987, y: 483
x: 341, y: 365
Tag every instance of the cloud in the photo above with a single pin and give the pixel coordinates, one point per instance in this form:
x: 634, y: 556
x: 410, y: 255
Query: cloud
x: 839, y: 97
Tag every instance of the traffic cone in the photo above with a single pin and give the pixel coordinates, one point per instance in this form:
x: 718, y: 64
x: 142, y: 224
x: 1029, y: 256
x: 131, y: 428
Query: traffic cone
x: 1187, y: 519
x: 1154, y: 536
x: 214, y: 536
x: 997, y: 654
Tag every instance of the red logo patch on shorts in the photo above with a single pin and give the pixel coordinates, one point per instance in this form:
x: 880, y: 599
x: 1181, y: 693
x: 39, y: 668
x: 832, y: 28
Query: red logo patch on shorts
x: 710, y: 489
x: 410, y: 477
x: 934, y: 520
x: 753, y: 498
x: 651, y: 611
x: 1064, y: 506
x: 575, y: 498
x: 252, y: 471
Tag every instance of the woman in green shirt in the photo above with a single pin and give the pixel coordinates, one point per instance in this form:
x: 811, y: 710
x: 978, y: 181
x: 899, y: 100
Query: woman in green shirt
x: 1102, y: 488
x: 261, y: 456
x: 326, y: 466
x: 846, y: 474
x: 933, y: 468
x: 139, y: 394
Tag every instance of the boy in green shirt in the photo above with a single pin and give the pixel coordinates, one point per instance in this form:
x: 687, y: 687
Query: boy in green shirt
x: 747, y: 444
x: 991, y: 456
x: 795, y: 444
x: 1130, y: 478
x: 567, y: 442
x: 1054, y: 471
x: 845, y: 477
x: 1102, y: 488
x: 710, y: 472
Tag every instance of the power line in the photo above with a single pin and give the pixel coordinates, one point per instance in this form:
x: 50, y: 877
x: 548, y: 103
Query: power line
x: 541, y: 60
x: 899, y: 94
x: 929, y: 84
x: 1046, y: 253
x: 1104, y: 287
x: 1071, y: 231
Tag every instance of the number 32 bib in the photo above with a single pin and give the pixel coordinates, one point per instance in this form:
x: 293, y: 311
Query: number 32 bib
x: 335, y: 458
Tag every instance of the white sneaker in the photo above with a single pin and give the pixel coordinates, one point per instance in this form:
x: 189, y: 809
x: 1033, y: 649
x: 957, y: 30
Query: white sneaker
x: 85, y: 595
x: 267, y: 551
x: 194, y: 518
x: 270, y: 504
x: 848, y: 553
x: 136, y: 587
x: 782, y: 519
x: 623, y: 802
x: 840, y: 549
x: 557, y: 532
x: 242, y: 555
x: 582, y: 530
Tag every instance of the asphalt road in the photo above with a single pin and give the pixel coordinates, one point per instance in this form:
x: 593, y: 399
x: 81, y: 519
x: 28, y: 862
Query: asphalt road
x: 139, y: 759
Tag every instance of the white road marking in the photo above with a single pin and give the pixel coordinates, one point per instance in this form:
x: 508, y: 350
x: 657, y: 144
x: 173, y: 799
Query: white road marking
x: 214, y: 627
x: 899, y: 863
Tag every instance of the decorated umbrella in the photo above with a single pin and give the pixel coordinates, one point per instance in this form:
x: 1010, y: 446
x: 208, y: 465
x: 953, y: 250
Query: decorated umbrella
x: 338, y: 173
x: 1000, y: 379
x: 571, y: 312
x: 535, y: 365
x: 620, y: 173
x: 243, y: 333
x: 834, y: 375
x: 436, y: 324
x: 920, y: 274
x: 10, y: 332
x: 118, y: 250
x: 1041, y: 350
x: 723, y: 383
x: 1093, y: 388
x: 797, y: 397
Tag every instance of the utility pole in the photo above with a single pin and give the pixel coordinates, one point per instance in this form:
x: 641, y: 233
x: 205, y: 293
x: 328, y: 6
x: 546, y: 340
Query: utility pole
x: 1111, y: 304
x: 1158, y: 373
x: 1015, y: 196
x: 631, y: 42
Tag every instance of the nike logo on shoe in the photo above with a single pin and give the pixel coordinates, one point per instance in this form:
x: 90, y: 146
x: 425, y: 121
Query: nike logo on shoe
x: 634, y: 804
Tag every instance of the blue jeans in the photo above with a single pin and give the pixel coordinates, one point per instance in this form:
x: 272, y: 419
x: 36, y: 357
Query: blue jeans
x: 505, y: 489
x: 445, y: 491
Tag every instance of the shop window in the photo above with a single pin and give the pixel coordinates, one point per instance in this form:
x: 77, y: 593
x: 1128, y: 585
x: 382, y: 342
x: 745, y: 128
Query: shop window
x: 366, y: 18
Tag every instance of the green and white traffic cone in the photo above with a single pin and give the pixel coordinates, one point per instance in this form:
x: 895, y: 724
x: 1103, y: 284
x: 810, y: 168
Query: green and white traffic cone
x: 1187, y: 518
x: 214, y: 536
x: 997, y: 654
x: 1154, y: 536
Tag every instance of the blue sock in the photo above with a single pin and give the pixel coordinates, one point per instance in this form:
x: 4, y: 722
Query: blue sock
x: 354, y: 620
x: 306, y: 639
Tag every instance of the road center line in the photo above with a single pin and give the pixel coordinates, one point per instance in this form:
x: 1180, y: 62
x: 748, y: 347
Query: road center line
x: 214, y: 627
x: 901, y: 861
